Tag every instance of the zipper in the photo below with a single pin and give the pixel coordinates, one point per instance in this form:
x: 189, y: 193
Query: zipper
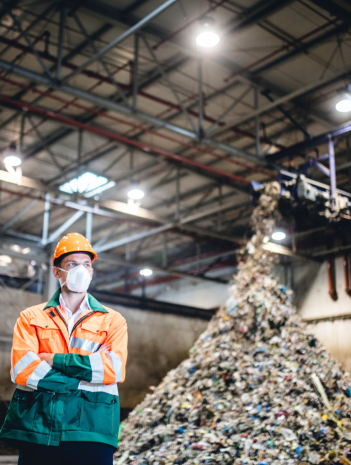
x: 80, y: 320
x: 60, y: 315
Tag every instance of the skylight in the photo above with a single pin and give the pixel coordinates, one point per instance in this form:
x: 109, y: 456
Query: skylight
x: 84, y: 183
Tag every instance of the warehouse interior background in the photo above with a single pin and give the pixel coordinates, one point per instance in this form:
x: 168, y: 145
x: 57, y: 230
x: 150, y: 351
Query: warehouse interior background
x: 115, y: 123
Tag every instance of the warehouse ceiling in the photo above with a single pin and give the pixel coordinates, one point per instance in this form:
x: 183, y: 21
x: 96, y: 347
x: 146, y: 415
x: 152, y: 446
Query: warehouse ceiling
x: 121, y: 90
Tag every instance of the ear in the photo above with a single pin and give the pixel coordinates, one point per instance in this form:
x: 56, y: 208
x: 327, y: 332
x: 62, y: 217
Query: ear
x: 56, y: 272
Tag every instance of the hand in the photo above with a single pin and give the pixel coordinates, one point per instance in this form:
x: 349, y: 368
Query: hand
x: 48, y: 358
x: 104, y: 348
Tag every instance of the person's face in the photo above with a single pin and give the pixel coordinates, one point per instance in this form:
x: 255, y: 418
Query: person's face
x: 70, y: 262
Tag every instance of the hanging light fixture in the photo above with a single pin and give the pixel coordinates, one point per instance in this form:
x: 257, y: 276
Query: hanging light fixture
x: 207, y: 36
x: 146, y: 272
x: 11, y: 156
x: 344, y: 104
x: 278, y: 235
x: 136, y: 193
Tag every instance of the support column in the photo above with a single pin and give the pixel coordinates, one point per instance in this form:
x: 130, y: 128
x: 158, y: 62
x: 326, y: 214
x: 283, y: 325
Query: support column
x: 89, y: 226
x: 46, y: 218
x: 51, y: 284
x: 332, y: 176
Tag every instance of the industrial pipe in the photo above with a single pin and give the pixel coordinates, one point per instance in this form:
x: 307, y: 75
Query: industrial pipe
x: 123, y: 139
x: 136, y: 126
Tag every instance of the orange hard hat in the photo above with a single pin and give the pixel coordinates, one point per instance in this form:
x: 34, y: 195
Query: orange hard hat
x: 73, y: 242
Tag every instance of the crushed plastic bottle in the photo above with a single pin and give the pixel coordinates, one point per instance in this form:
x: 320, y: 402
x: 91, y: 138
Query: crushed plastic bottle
x: 256, y: 388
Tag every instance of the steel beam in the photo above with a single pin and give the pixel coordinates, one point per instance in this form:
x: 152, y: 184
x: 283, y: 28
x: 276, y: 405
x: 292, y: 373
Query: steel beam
x: 17, y: 216
x: 105, y: 103
x: 286, y: 98
x: 46, y: 219
x: 170, y: 85
x: 60, y: 43
x: 130, y: 142
x: 227, y: 110
x: 64, y: 226
x: 89, y: 226
x: 104, y: 65
x: 135, y: 71
x: 139, y: 25
x: 312, y: 142
x: 129, y: 239
x: 29, y: 42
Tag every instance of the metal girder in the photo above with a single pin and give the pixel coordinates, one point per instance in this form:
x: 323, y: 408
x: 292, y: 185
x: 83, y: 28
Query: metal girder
x: 104, y: 65
x: 101, y: 101
x: 67, y: 57
x: 175, y: 271
x: 64, y: 226
x: 41, y: 258
x: 129, y: 142
x: 120, y: 207
x: 17, y: 216
x: 312, y: 142
x: 139, y: 25
x: 339, y: 8
x: 89, y: 226
x: 251, y: 16
x: 60, y: 42
x: 29, y: 42
x: 227, y: 110
x: 182, y: 223
x: 129, y: 239
x: 286, y: 98
x: 170, y: 85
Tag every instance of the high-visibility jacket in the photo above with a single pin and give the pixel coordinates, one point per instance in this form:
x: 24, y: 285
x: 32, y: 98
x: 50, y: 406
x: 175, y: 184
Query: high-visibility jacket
x: 77, y: 398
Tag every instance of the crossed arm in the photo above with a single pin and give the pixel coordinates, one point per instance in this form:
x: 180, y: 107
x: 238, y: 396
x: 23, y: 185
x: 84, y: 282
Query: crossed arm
x: 63, y: 372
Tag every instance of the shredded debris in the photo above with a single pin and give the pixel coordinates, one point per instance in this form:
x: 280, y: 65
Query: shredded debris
x: 256, y: 388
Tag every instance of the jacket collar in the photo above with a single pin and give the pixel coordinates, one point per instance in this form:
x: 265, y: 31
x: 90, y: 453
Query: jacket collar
x: 93, y: 303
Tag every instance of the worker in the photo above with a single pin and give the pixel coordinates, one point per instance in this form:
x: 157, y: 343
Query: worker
x: 67, y: 357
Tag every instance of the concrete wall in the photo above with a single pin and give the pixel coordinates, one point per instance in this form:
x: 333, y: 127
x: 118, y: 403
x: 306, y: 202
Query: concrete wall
x: 157, y: 343
x: 317, y: 303
x: 202, y: 295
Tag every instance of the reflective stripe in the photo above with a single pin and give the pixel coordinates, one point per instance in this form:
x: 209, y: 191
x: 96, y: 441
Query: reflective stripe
x: 22, y: 364
x: 41, y: 370
x: 117, y: 365
x: 84, y: 344
x: 92, y: 387
x: 97, y: 368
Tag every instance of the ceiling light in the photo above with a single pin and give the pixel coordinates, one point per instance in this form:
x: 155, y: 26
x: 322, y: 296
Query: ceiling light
x: 136, y: 194
x: 11, y: 156
x: 26, y: 250
x: 86, y: 182
x: 5, y: 259
x: 344, y: 105
x: 278, y: 236
x: 146, y: 272
x: 207, y: 37
x: 16, y: 248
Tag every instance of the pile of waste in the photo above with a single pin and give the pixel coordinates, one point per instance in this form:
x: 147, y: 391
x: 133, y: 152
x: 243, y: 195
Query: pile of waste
x: 256, y: 388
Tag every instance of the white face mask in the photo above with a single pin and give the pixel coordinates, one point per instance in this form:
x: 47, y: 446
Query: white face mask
x: 78, y: 279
